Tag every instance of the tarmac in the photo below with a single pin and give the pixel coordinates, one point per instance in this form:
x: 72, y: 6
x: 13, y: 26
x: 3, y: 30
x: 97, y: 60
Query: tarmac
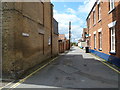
x: 72, y: 70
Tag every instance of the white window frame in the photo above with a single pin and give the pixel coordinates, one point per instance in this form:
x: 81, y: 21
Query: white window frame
x: 89, y: 22
x: 94, y: 18
x: 95, y: 41
x: 90, y: 41
x: 112, y: 4
x: 99, y: 12
x: 112, y: 29
x: 100, y: 40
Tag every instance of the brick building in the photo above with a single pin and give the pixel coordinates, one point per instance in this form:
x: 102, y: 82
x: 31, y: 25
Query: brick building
x: 85, y: 34
x: 63, y: 43
x: 28, y: 35
x: 103, y: 23
x: 55, y: 38
x: 84, y: 41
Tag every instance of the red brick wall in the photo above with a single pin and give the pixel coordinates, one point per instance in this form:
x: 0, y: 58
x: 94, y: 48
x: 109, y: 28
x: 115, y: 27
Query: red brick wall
x: 118, y: 30
x: 106, y: 19
x: 63, y: 46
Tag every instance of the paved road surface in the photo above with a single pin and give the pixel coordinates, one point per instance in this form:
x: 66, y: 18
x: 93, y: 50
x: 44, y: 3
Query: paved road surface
x: 74, y: 69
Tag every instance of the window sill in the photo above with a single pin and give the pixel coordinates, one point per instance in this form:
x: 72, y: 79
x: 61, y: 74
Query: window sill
x: 94, y: 25
x: 99, y: 20
x: 111, y: 10
x: 100, y: 49
x: 112, y: 52
x: 94, y: 48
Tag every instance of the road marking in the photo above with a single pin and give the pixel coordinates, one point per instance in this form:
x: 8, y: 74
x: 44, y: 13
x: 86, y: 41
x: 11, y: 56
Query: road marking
x: 23, y: 80
x: 110, y: 67
x: 103, y: 61
x: 6, y: 85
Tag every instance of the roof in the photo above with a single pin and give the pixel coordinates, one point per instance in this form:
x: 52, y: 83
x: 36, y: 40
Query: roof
x: 62, y: 37
x: 85, y: 29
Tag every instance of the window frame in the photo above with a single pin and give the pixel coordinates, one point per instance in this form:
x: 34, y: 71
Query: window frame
x: 112, y: 37
x: 95, y: 42
x: 100, y: 40
x: 89, y: 25
x: 94, y: 18
x: 111, y: 5
x: 99, y: 12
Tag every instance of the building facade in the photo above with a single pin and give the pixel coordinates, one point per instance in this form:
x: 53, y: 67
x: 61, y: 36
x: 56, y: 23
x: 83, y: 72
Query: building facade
x: 85, y: 34
x: 63, y: 43
x: 55, y: 38
x: 27, y: 33
x: 84, y: 41
x: 103, y: 23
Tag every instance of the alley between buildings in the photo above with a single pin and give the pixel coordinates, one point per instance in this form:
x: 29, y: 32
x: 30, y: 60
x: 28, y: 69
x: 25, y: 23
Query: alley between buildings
x: 73, y: 69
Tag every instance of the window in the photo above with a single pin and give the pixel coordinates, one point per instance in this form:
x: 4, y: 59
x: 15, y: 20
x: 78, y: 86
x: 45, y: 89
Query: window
x: 111, y: 4
x: 112, y: 36
x: 112, y: 29
x: 90, y: 41
x: 49, y: 41
x: 88, y: 23
x: 99, y: 12
x: 94, y: 41
x: 85, y: 34
x: 100, y: 41
x: 94, y: 17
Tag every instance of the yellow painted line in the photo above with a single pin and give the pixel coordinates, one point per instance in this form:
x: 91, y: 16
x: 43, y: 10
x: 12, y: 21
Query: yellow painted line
x: 110, y: 67
x: 103, y: 61
x: 6, y: 85
x: 22, y: 80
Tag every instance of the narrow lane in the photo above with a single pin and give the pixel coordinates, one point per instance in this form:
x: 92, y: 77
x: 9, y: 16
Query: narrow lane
x: 74, y: 69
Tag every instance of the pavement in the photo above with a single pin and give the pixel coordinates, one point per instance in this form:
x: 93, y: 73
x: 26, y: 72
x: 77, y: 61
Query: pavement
x: 73, y: 70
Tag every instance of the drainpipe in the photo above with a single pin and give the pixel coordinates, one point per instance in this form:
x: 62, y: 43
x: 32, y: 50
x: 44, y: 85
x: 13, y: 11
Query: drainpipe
x: 51, y: 28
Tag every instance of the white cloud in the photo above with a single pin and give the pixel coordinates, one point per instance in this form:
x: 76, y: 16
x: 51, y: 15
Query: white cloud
x: 63, y: 20
x: 87, y: 6
x: 74, y: 16
x: 55, y: 11
x: 65, y: 6
x: 70, y: 10
x: 67, y: 35
x: 73, y: 0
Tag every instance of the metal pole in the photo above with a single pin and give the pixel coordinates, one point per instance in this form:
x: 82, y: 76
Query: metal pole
x: 69, y: 34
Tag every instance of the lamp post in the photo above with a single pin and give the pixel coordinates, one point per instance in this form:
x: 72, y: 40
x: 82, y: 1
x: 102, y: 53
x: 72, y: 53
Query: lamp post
x: 69, y: 34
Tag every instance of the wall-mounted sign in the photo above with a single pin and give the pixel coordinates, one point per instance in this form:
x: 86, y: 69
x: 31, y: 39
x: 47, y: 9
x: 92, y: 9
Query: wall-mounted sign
x: 40, y: 31
x: 25, y: 34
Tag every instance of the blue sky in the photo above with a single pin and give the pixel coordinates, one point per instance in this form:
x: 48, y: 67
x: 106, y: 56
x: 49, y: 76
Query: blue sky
x: 76, y: 12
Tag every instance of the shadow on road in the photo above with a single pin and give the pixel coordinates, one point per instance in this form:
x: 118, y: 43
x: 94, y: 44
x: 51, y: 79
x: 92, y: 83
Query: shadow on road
x: 72, y: 70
